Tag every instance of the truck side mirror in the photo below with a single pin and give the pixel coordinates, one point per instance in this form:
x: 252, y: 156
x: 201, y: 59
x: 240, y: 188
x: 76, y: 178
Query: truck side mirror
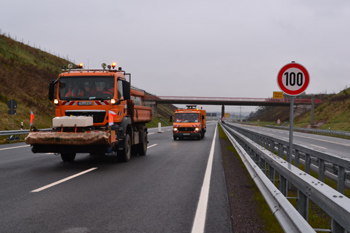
x: 52, y: 89
x: 202, y: 117
x: 126, y: 90
x: 171, y: 119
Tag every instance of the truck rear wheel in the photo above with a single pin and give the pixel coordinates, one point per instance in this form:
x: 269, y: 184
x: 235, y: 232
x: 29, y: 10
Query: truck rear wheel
x: 68, y: 157
x: 142, y: 147
x: 124, y: 154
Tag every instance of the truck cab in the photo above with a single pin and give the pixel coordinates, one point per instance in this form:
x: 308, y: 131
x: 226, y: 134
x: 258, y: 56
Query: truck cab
x: 189, y: 123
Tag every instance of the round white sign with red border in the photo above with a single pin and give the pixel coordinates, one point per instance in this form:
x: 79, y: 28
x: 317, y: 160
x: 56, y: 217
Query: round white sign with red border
x: 293, y: 79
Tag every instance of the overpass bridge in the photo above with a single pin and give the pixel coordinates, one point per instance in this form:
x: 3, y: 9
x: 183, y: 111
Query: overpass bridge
x: 154, y: 100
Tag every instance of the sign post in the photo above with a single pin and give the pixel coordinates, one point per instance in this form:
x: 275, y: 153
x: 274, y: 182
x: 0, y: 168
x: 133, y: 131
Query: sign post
x: 292, y: 79
x: 12, y: 104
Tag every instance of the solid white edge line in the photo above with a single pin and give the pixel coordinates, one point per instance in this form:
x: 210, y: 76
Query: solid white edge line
x: 63, y: 180
x: 8, y: 148
x: 201, y: 212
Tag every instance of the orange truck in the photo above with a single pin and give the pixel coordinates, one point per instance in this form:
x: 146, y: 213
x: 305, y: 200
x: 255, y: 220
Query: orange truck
x: 97, y: 112
x: 190, y: 122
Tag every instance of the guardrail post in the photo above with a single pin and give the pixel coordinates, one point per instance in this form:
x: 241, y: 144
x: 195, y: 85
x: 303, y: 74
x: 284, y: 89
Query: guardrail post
x: 303, y: 205
x: 257, y: 158
x: 321, y: 169
x: 271, y: 174
x: 272, y: 146
x: 336, y: 228
x: 307, y: 163
x: 280, y: 150
x: 262, y: 165
x: 341, y: 179
x: 282, y: 185
x: 296, y: 158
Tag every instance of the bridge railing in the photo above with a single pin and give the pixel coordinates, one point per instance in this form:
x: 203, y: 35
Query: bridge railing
x: 332, y: 202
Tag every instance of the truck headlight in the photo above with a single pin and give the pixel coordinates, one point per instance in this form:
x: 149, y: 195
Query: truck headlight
x: 55, y: 101
x: 113, y: 101
x: 175, y: 129
x: 196, y: 129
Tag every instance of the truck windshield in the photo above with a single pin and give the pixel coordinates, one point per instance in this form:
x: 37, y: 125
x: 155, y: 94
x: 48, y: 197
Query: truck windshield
x: 186, y: 117
x: 86, y: 88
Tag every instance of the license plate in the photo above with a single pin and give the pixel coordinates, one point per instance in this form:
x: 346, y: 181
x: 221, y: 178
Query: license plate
x: 85, y: 103
x: 186, y: 134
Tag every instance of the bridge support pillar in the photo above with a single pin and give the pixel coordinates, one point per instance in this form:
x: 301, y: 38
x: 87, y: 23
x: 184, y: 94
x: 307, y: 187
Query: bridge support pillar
x: 154, y: 110
x: 222, y: 111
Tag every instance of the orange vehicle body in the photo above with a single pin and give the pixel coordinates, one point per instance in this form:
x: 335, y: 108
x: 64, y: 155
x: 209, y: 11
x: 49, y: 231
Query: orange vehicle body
x: 97, y: 112
x: 190, y: 122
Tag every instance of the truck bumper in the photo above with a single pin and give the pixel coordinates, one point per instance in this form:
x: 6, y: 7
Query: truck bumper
x: 47, y: 148
x: 182, y: 135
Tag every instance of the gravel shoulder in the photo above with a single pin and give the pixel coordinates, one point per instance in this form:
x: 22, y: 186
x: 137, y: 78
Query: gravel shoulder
x: 241, y: 191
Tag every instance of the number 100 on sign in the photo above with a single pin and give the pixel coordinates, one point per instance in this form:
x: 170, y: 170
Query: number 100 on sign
x: 293, y: 79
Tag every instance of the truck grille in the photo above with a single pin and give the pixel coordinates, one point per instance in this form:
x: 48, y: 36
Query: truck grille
x: 98, y: 115
x: 186, y: 129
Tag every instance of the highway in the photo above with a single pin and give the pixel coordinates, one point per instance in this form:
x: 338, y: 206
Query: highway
x: 158, y: 192
x: 334, y: 145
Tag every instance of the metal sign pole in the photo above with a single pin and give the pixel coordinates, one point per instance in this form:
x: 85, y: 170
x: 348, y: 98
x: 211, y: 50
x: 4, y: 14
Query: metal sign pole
x: 289, y: 156
x: 12, y: 115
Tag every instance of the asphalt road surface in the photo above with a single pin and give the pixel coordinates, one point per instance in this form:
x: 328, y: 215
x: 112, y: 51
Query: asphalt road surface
x: 158, y: 192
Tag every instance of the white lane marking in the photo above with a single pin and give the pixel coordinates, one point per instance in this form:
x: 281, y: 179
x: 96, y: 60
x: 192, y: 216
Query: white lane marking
x: 201, y: 212
x: 322, y: 140
x: 63, y: 180
x: 8, y: 148
x: 152, y: 146
x: 319, y: 146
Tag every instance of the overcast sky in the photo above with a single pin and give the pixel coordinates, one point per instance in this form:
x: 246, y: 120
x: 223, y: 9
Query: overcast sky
x: 221, y: 48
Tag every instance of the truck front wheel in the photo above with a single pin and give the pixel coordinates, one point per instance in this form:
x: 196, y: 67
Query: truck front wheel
x: 125, y: 153
x: 68, y: 157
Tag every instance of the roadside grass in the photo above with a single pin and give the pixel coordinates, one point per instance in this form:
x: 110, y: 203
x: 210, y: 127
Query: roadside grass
x: 265, y: 213
x: 156, y: 120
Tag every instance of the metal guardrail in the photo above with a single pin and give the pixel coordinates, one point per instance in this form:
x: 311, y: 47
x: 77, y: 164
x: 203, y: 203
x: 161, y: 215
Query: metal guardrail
x: 339, y: 164
x: 18, y: 132
x: 338, y: 133
x: 334, y: 203
x: 289, y: 219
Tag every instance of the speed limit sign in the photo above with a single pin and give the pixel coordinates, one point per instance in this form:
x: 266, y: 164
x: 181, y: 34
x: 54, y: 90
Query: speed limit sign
x: 293, y: 79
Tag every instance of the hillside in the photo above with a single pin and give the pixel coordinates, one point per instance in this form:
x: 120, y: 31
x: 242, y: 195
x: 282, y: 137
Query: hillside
x: 333, y: 113
x: 25, y: 74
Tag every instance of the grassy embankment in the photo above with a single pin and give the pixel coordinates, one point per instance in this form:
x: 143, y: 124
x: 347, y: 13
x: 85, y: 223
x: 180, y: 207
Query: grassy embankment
x: 333, y: 113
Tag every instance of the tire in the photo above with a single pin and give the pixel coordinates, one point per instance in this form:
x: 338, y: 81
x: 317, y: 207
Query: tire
x: 125, y: 154
x: 68, y: 157
x: 142, y: 147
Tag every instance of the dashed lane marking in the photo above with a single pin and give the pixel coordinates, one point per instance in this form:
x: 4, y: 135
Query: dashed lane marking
x: 9, y: 148
x: 151, y: 146
x: 63, y: 180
